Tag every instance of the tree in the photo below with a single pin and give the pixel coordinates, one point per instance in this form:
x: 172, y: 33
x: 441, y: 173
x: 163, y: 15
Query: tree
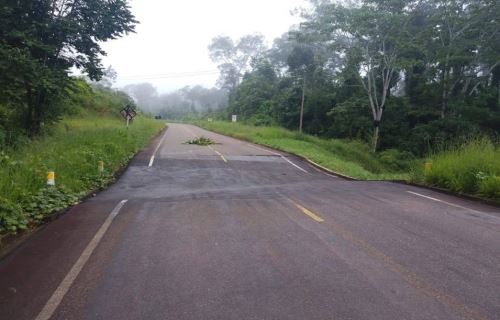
x: 234, y: 58
x: 41, y: 40
x: 301, y: 61
x: 108, y: 78
x: 374, y: 34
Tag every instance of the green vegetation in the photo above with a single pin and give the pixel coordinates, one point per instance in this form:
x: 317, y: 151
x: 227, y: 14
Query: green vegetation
x: 406, y: 75
x: 201, y: 141
x: 40, y: 41
x: 470, y: 168
x: 352, y: 158
x: 92, y: 130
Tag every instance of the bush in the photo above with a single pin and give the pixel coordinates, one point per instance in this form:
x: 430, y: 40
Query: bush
x: 396, y: 159
x: 11, y: 217
x: 473, y: 168
x: 489, y: 187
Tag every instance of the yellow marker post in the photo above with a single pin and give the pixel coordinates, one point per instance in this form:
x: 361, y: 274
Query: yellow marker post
x: 428, y: 166
x: 51, y: 178
x: 100, y: 166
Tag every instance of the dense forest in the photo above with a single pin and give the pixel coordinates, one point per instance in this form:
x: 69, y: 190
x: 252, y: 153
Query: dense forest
x: 398, y: 74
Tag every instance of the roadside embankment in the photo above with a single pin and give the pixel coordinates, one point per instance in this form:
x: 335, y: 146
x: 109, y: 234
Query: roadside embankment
x: 471, y: 168
x: 73, y: 151
x: 351, y: 158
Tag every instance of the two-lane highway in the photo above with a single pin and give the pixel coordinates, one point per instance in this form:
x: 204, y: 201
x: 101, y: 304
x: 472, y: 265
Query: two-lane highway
x: 238, y: 231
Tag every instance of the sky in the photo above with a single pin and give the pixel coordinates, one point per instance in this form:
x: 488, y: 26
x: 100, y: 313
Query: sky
x: 169, y: 48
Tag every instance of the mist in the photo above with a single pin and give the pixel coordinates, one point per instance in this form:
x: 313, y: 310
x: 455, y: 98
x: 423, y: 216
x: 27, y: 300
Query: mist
x: 179, y: 103
x: 169, y: 47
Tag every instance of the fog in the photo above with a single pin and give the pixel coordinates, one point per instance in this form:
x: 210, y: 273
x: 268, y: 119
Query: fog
x: 169, y: 48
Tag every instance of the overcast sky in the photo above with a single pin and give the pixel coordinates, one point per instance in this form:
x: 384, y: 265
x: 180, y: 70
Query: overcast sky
x: 172, y: 37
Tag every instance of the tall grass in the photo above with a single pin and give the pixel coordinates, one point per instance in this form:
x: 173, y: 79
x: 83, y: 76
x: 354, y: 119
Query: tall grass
x: 352, y: 158
x: 72, y: 151
x: 471, y: 168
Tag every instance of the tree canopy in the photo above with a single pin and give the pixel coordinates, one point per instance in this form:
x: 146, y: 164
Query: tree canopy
x: 41, y: 41
x: 401, y: 74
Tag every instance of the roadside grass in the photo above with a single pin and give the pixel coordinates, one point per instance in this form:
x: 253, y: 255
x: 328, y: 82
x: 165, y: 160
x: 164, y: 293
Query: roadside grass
x: 72, y: 150
x: 470, y: 168
x: 351, y: 158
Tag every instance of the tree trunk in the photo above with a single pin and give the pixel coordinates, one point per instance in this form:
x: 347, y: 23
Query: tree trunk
x: 445, y: 93
x: 302, y: 104
x: 376, y: 134
x: 498, y: 102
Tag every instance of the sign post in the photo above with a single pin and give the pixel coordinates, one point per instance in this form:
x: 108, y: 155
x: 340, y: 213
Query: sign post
x: 128, y: 113
x: 234, y: 118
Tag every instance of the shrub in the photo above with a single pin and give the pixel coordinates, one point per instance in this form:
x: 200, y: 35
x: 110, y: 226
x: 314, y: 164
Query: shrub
x: 395, y: 159
x: 473, y: 167
x: 489, y: 187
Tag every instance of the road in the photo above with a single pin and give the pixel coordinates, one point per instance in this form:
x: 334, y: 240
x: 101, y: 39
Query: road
x: 237, y: 231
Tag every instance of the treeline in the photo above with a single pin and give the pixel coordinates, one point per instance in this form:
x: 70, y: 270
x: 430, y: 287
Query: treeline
x: 178, y: 104
x: 398, y: 74
x: 41, y: 42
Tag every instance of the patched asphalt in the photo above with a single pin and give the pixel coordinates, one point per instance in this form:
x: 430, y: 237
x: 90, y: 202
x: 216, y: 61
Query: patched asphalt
x: 227, y: 232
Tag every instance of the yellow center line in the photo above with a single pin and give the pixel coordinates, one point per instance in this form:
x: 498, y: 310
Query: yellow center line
x: 453, y: 303
x: 307, y: 212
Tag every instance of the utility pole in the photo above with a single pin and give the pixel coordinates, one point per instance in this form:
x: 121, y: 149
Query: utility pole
x: 302, y: 103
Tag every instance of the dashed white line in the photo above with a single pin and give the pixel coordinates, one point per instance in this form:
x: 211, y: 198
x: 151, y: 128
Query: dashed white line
x: 220, y: 154
x: 442, y: 201
x: 151, y: 161
x: 62, y: 289
x: 280, y: 155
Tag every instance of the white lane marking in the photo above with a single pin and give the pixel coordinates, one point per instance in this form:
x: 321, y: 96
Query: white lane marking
x: 151, y: 161
x: 220, y: 154
x: 62, y: 289
x: 259, y: 148
x: 278, y: 154
x: 293, y: 164
x: 156, y: 150
x: 442, y: 201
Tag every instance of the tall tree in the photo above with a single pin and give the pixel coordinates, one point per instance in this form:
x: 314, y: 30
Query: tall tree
x: 41, y: 40
x: 234, y: 58
x: 301, y: 63
x: 375, y: 33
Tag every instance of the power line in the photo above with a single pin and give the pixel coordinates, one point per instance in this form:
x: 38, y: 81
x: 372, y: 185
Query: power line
x: 170, y: 75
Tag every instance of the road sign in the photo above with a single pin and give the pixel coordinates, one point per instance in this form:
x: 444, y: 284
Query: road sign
x: 234, y: 118
x: 128, y: 113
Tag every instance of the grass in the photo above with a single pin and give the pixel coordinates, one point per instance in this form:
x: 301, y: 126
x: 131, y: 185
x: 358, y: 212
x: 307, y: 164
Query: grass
x: 352, y: 158
x: 72, y: 150
x: 470, y: 168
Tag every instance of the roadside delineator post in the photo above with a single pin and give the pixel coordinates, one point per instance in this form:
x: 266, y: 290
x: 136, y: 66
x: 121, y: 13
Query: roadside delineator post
x: 100, y: 166
x: 51, y: 181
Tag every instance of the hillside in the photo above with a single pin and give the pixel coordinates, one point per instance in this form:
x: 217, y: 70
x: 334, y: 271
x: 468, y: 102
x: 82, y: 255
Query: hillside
x: 91, y: 130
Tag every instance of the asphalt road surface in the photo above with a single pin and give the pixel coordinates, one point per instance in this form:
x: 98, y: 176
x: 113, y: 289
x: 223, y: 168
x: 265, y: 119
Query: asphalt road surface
x: 236, y: 231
